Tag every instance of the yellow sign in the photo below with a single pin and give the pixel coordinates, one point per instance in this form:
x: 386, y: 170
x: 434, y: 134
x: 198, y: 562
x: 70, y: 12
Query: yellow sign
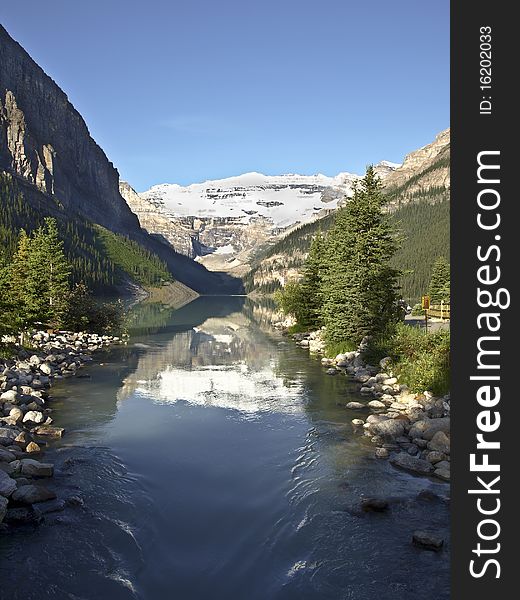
x: 425, y: 301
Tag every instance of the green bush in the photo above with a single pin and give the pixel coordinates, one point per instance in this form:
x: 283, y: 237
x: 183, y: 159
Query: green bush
x: 417, y: 310
x: 420, y: 360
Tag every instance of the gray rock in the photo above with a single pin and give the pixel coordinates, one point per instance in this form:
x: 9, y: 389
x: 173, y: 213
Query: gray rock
x: 6, y: 455
x: 34, y: 468
x: 385, y: 362
x: 435, y: 425
x: 6, y: 432
x: 420, y: 442
x: 440, y: 442
x: 381, y: 453
x: 376, y: 404
x: 30, y: 494
x: 411, y: 463
x: 391, y: 428
x: 427, y: 540
x: 355, y: 405
x: 376, y: 418
x: 434, y: 457
x: 443, y: 474
x: 7, y: 485
x: 358, y: 422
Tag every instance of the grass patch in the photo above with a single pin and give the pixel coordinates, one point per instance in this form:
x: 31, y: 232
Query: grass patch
x: 332, y: 349
x: 297, y: 328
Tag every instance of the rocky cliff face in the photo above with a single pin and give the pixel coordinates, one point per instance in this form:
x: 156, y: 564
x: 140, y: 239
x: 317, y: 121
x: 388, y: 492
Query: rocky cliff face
x: 46, y: 146
x: 45, y: 141
x: 424, y: 173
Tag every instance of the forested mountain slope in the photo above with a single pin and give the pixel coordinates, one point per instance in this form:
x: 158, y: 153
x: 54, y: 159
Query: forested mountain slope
x: 418, y: 202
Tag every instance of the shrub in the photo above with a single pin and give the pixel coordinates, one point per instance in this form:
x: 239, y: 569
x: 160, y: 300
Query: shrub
x: 417, y: 310
x: 420, y: 360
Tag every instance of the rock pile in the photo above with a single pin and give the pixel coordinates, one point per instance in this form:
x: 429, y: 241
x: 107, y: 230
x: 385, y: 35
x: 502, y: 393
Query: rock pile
x: 411, y: 430
x: 25, y: 417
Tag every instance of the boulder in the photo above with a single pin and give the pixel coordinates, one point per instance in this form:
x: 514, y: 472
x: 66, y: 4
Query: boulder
x: 435, y: 425
x: 16, y: 414
x: 391, y: 428
x: 9, y: 396
x: 46, y: 369
x: 34, y: 417
x: 440, y: 442
x: 358, y: 422
x: 434, y: 457
x: 376, y: 404
x: 29, y: 494
x: 7, y: 485
x: 411, y: 463
x: 355, y: 405
x: 34, y: 468
x: 443, y: 474
x: 6, y: 456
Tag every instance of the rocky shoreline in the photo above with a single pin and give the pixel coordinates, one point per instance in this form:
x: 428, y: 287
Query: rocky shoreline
x: 26, y: 424
x: 411, y: 430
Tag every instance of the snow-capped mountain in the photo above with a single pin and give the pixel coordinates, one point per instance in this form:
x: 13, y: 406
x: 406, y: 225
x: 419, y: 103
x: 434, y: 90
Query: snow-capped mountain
x: 220, y: 222
x: 283, y: 200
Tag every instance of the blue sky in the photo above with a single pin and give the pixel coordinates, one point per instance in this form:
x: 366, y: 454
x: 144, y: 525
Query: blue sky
x: 201, y: 89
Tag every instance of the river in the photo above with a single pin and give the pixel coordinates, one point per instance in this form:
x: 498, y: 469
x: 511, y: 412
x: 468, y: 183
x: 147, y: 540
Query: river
x: 216, y: 460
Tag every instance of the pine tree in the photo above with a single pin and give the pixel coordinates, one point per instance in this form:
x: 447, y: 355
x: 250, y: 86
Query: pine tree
x: 310, y: 284
x: 439, y: 289
x: 48, y: 276
x: 359, y: 285
x: 15, y: 284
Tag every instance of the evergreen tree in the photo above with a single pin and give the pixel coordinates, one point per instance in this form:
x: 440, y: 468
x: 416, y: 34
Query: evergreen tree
x: 359, y: 285
x: 8, y: 307
x: 15, y: 281
x: 47, y: 282
x: 439, y: 289
x: 303, y: 299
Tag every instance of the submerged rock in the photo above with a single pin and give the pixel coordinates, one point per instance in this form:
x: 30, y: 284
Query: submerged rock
x: 427, y: 540
x: 29, y: 494
x: 411, y: 463
x: 374, y: 504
